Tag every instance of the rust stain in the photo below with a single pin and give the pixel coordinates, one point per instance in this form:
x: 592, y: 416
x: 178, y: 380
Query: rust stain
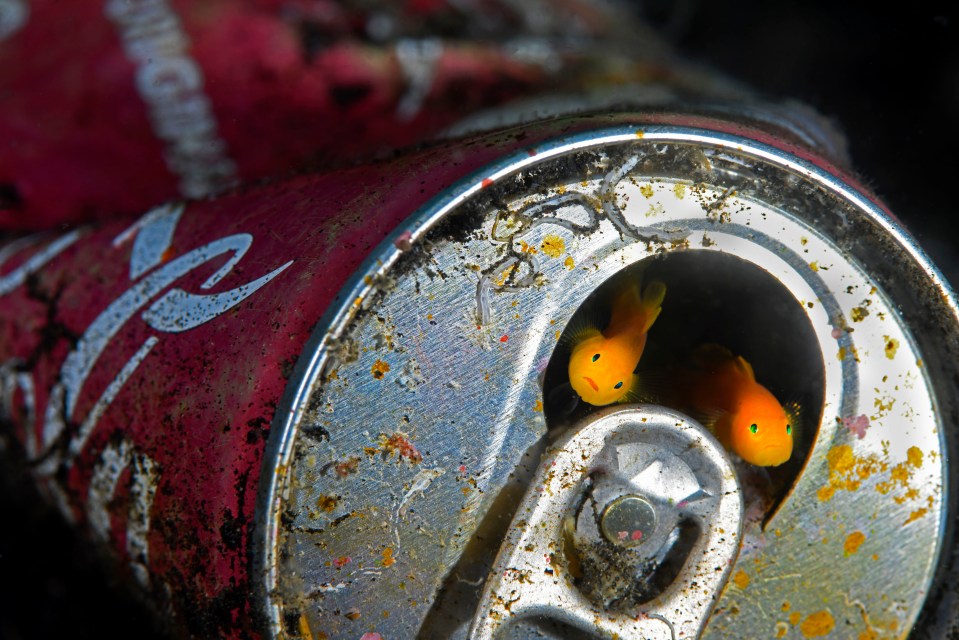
x: 646, y: 190
x: 397, y: 443
x: 304, y: 625
x: 741, y: 579
x: 347, y: 467
x: 853, y: 541
x: 891, y: 346
x: 387, y: 559
x: 379, y: 369
x: 326, y: 503
x: 553, y: 246
x: 817, y: 625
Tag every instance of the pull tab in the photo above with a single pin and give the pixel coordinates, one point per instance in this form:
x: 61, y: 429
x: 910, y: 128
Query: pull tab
x: 629, y: 529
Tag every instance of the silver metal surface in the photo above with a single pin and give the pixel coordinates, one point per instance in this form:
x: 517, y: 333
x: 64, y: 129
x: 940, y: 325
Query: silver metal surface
x: 650, y: 450
x: 424, y: 398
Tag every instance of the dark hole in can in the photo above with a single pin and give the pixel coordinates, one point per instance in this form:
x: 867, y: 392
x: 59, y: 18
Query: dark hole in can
x: 711, y: 298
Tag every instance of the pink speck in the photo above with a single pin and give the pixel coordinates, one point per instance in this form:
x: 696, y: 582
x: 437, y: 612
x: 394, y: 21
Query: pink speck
x: 636, y: 535
x: 486, y: 182
x: 371, y: 636
x: 341, y: 561
x: 504, y: 338
x: 403, y: 241
x: 857, y: 425
x: 463, y: 469
x: 836, y: 333
x: 622, y: 534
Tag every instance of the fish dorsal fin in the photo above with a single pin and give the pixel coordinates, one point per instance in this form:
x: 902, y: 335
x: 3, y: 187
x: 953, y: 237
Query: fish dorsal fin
x: 653, y: 296
x: 745, y: 368
x: 711, y: 355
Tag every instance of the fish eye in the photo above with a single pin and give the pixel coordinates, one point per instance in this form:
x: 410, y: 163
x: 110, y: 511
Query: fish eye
x: 789, y: 429
x: 753, y: 428
x: 618, y: 385
x: 595, y: 357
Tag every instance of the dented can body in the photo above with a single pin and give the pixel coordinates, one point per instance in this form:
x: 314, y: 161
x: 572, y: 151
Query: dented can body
x: 293, y: 410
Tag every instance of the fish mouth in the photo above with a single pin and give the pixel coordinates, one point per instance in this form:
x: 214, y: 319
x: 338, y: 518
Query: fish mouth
x: 591, y: 383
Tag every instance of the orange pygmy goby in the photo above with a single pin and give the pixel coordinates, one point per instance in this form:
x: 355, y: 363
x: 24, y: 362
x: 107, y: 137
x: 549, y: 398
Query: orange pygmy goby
x: 745, y: 416
x: 601, y: 363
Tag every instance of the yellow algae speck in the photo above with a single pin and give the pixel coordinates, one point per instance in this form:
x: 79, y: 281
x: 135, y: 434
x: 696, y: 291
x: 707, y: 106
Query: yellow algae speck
x: 504, y: 276
x: 891, y: 345
x: 741, y: 579
x: 785, y: 606
x: 553, y: 246
x: 841, y: 458
x: 915, y: 515
x: 679, y: 190
x: 646, y: 190
x: 568, y: 263
x: 817, y: 625
x: 525, y: 247
x: 781, y: 630
x: 814, y: 266
x: 825, y: 493
x: 794, y: 617
x: 538, y: 405
x: 640, y: 133
x: 853, y: 541
x: 914, y: 456
x: 387, y: 559
x: 859, y: 313
x: 868, y: 634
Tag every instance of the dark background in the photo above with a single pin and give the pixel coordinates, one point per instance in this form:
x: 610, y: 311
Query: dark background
x: 889, y: 78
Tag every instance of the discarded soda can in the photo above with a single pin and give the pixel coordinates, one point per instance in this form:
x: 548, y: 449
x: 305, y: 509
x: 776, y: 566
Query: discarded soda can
x: 339, y: 406
x: 162, y: 99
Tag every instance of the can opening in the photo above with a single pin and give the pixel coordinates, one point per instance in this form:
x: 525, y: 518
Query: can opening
x: 711, y: 297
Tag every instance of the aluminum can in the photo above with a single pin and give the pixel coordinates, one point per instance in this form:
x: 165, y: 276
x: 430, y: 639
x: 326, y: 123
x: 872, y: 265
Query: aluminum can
x: 166, y: 98
x: 331, y: 407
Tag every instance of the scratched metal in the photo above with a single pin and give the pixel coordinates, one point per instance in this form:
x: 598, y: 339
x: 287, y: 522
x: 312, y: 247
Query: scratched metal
x: 426, y: 392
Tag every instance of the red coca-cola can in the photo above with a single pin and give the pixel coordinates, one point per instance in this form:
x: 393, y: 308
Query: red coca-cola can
x: 159, y: 99
x: 315, y: 408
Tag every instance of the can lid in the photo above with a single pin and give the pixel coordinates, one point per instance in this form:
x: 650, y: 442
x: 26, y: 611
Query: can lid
x: 419, y: 423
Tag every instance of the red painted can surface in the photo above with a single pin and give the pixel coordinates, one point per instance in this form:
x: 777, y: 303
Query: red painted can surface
x: 158, y: 99
x: 143, y: 361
